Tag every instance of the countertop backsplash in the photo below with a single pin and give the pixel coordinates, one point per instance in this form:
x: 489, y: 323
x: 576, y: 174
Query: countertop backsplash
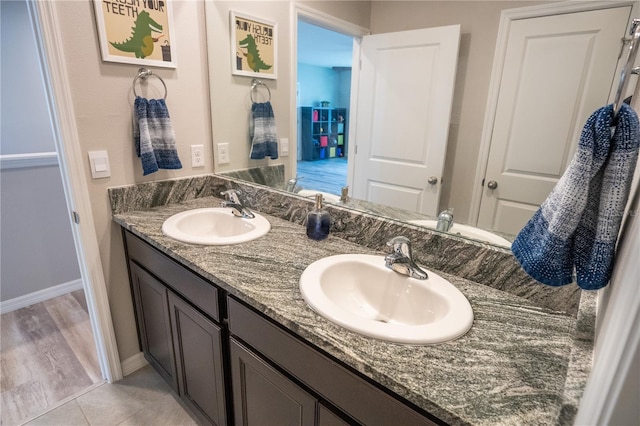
x: 474, y: 261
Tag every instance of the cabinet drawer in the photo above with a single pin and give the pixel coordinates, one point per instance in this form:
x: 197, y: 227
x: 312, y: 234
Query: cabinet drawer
x: 193, y: 288
x: 350, y: 393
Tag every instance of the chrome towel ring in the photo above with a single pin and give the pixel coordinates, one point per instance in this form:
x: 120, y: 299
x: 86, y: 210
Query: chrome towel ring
x: 254, y: 85
x: 627, y: 70
x: 145, y: 73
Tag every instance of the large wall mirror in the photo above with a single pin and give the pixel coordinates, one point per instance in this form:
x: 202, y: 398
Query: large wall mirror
x: 523, y: 84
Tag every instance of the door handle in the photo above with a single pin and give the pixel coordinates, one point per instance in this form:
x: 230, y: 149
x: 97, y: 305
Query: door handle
x: 492, y: 184
x: 432, y: 180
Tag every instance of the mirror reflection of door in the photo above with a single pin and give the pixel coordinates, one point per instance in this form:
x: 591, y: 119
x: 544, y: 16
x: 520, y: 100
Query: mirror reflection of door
x: 405, y: 96
x: 557, y: 70
x: 323, y: 99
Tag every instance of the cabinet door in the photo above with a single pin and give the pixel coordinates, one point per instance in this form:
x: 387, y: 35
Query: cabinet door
x: 198, y: 350
x: 263, y: 396
x: 327, y: 417
x: 154, y: 326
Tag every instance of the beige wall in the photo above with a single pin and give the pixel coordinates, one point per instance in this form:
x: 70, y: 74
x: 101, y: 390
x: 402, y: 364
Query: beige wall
x: 102, y: 99
x: 230, y: 95
x: 479, y: 21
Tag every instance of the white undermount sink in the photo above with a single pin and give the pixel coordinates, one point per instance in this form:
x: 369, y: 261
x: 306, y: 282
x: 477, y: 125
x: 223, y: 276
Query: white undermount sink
x: 214, y: 226
x: 359, y: 293
x: 467, y: 231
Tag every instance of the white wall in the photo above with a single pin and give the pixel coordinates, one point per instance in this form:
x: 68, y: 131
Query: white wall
x: 26, y: 126
x: 36, y: 245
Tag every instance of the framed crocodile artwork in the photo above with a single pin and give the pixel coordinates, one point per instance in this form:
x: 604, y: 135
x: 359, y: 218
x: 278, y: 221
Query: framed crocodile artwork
x: 136, y: 32
x: 254, y: 47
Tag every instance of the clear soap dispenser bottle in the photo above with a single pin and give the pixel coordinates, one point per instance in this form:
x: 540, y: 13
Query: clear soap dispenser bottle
x: 318, y: 221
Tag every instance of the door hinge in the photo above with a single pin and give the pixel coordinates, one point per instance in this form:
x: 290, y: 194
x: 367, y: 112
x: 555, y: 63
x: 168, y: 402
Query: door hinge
x: 356, y: 153
x: 76, y: 217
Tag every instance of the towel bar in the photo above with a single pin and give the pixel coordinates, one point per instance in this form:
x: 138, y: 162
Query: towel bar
x: 627, y: 70
x: 145, y: 73
x: 254, y: 84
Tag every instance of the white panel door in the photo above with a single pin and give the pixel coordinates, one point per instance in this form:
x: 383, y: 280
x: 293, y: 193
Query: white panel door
x: 405, y: 94
x: 557, y: 71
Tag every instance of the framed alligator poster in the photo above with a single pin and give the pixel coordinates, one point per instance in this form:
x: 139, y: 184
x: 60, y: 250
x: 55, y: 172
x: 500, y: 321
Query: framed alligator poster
x: 136, y: 32
x: 254, y: 47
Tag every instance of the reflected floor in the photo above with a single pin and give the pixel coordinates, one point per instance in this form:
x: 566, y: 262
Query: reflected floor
x: 323, y: 175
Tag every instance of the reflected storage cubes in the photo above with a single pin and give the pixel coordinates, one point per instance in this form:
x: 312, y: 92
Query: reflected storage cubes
x: 323, y: 133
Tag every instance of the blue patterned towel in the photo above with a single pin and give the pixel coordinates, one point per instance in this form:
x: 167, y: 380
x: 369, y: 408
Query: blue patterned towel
x: 262, y: 131
x: 154, y: 137
x: 578, y: 224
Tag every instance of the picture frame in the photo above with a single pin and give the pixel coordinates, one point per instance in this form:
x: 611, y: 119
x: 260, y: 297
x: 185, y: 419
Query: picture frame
x: 140, y: 33
x: 254, y: 46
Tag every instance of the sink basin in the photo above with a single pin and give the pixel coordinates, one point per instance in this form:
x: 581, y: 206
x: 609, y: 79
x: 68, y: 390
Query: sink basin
x: 214, y: 226
x: 467, y: 231
x: 359, y: 293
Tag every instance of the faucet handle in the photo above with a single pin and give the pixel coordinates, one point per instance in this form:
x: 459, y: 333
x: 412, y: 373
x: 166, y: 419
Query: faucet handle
x: 401, y: 245
x: 232, y: 195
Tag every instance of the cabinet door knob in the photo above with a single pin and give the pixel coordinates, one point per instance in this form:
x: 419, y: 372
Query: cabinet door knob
x: 492, y: 184
x: 432, y: 180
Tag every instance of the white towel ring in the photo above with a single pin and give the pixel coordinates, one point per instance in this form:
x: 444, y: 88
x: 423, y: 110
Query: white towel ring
x: 145, y: 73
x: 254, y: 84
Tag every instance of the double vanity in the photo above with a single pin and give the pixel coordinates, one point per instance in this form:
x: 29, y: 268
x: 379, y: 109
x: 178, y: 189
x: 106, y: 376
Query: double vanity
x: 281, y: 329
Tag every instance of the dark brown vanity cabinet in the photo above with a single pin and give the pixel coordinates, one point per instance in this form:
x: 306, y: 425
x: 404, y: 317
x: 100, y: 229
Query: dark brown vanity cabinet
x: 154, y: 324
x: 197, y: 344
x: 181, y: 341
x: 263, y: 396
x: 241, y: 367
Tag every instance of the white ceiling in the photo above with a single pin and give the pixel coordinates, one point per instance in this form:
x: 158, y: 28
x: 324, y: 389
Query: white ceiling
x: 324, y: 48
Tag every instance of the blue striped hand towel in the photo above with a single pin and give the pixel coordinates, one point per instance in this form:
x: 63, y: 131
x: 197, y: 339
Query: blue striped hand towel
x: 577, y: 225
x: 153, y: 135
x: 262, y: 131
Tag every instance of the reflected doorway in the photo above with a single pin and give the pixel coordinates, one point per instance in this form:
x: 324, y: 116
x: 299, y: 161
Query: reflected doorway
x: 322, y: 103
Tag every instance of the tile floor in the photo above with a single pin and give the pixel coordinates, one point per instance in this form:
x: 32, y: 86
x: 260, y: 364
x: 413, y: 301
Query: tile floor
x: 141, y: 398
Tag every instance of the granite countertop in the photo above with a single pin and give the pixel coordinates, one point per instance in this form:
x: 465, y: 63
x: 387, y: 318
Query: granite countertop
x: 510, y: 368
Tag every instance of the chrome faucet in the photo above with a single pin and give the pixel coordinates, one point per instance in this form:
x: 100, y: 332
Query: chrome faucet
x: 236, y: 206
x: 445, y: 220
x: 291, y: 184
x: 344, y: 197
x: 400, y: 260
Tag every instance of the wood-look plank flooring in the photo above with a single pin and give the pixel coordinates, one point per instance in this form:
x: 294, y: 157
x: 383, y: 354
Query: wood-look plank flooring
x: 47, y: 354
x: 323, y: 175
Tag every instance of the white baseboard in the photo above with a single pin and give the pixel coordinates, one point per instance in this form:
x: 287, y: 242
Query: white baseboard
x: 39, y: 296
x: 133, y: 364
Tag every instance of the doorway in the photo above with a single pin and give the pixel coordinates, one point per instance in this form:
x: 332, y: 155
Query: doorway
x: 323, y: 97
x: 48, y: 352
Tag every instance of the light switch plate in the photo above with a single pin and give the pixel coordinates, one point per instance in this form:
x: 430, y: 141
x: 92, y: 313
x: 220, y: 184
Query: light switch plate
x: 99, y: 164
x: 284, y: 147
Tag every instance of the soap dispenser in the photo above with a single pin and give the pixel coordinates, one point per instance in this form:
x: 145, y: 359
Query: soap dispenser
x: 318, y: 221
